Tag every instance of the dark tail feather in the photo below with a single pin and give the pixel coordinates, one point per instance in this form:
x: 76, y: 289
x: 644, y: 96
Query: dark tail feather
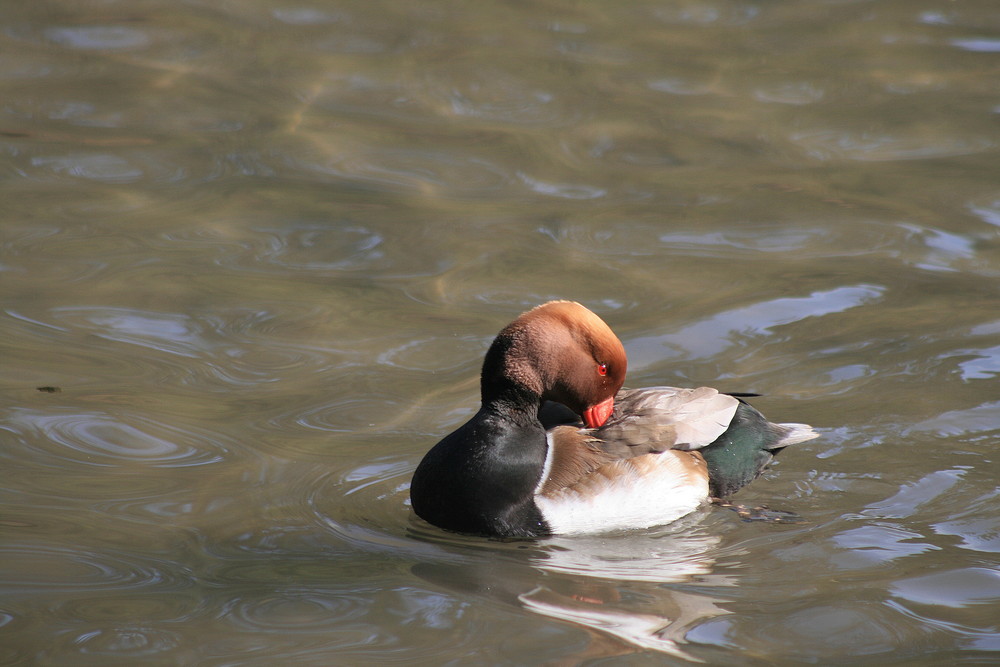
x: 740, y: 454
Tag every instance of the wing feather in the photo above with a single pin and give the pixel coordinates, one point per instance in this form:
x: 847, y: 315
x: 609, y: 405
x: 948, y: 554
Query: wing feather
x: 661, y: 418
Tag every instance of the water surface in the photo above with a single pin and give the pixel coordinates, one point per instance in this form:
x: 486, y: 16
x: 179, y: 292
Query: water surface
x: 254, y: 252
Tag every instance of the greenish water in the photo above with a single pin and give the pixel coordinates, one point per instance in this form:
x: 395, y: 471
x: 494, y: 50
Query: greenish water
x: 261, y: 247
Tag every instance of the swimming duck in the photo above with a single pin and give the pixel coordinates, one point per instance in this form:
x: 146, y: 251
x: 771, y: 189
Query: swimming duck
x: 558, y: 446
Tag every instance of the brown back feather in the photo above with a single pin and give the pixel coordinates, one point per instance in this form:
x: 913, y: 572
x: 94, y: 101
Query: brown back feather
x: 575, y: 454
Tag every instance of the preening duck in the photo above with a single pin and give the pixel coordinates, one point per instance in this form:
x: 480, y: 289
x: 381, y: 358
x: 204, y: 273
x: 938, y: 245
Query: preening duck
x: 558, y: 446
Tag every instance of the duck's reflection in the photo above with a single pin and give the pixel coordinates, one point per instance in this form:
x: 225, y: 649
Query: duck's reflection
x: 646, y: 590
x: 662, y: 631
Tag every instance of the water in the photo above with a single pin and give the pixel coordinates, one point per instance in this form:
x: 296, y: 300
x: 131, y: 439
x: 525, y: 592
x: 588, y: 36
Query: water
x: 256, y: 250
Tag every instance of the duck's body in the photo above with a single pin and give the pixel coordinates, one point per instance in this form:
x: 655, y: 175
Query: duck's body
x: 526, y: 467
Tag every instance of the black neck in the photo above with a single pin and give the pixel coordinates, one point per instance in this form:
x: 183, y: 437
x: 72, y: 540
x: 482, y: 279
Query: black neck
x: 481, y: 478
x: 511, y: 401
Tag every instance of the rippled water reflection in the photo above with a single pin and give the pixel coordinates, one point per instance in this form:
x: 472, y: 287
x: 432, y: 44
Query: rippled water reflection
x: 254, y: 254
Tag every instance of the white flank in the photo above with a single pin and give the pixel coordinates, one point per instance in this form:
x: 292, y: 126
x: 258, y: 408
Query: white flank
x: 664, y: 492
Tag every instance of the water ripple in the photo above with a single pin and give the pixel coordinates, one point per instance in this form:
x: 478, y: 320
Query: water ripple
x: 978, y: 45
x: 435, y: 353
x: 120, y: 167
x: 562, y: 190
x: 324, y: 247
x: 127, y: 639
x: 123, y: 624
x: 795, y: 93
x: 912, y: 497
x: 366, y: 506
x: 173, y: 333
x: 240, y: 347
x: 502, y: 98
x: 877, y: 544
x: 988, y: 211
x: 748, y: 241
x: 427, y: 172
x: 708, y: 337
x: 300, y: 611
x: 701, y: 14
x: 971, y: 422
x: 976, y: 524
x: 103, y: 38
x: 872, y: 147
x: 953, y: 588
x: 97, y: 439
x: 34, y: 568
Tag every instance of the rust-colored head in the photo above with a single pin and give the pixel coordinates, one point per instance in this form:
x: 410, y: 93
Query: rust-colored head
x: 562, y: 352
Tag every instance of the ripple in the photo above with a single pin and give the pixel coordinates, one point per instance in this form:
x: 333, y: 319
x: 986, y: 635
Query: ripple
x: 873, y: 147
x: 324, y: 247
x: 118, y: 503
x: 100, y: 370
x: 562, y: 190
x: 911, y: 497
x: 954, y: 588
x: 166, y: 332
x: 822, y: 629
x: 104, y: 38
x: 708, y: 337
x: 756, y: 240
x: 984, y: 364
x: 247, y: 366
x: 122, y: 167
x: 146, y: 605
x: 348, y: 43
x: 306, y: 16
x: 976, y: 524
x: 39, y: 568
x: 320, y: 249
x: 428, y: 172
x: 699, y: 13
x: 843, y: 379
x: 877, y: 544
x: 304, y: 611
x: 107, y: 168
x: 479, y: 95
x: 790, y: 93
x: 684, y: 85
x: 988, y: 211
x: 435, y: 354
x: 265, y: 344
x: 356, y: 415
x: 944, y: 251
x: 127, y: 639
x: 982, y: 419
x: 367, y: 508
x: 101, y: 440
x: 22, y: 66
x: 502, y: 98
x: 367, y: 505
x: 978, y: 45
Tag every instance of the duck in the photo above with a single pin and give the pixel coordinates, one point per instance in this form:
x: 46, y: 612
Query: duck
x: 558, y: 446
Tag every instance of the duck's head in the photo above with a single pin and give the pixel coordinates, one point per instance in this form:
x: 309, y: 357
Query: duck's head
x: 559, y: 351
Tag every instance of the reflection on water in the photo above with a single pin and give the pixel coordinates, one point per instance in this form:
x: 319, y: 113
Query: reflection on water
x: 261, y: 248
x: 596, y: 595
x: 613, y: 586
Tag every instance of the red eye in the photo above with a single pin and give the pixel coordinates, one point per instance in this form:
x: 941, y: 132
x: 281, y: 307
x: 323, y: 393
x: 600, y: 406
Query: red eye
x: 602, y: 369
